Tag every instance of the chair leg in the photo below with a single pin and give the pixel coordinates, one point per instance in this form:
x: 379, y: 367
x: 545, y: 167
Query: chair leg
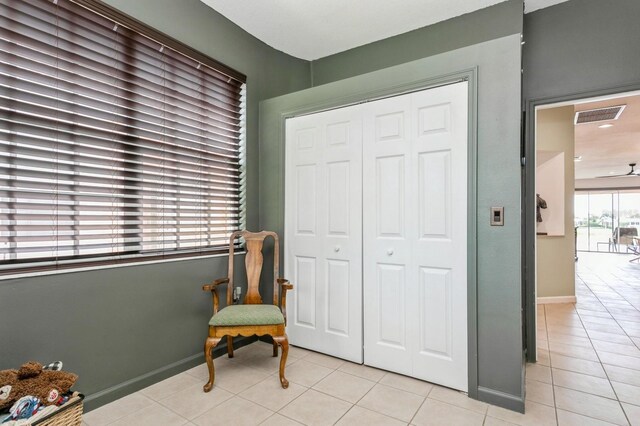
x: 230, y: 346
x: 275, y: 349
x: 284, y: 343
x: 209, y: 344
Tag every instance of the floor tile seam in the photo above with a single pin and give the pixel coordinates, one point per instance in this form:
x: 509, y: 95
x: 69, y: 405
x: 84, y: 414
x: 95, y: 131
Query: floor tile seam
x: 279, y: 410
x: 637, y: 356
x: 455, y: 406
x: 283, y: 415
x: 410, y: 422
x: 631, y: 403
x: 345, y: 413
x: 615, y: 290
x: 121, y: 417
x: 614, y: 365
x: 607, y: 341
x: 276, y: 375
x: 387, y: 415
x: 395, y: 418
x: 574, y: 357
x: 367, y: 393
x: 331, y: 368
x: 499, y: 419
x: 265, y: 420
x: 187, y: 419
x: 588, y: 393
x: 607, y: 374
x: 540, y: 381
x: 355, y: 375
x: 433, y: 385
x: 553, y: 388
x: 595, y: 418
x: 337, y: 397
x: 619, y: 294
x: 618, y: 323
x: 269, y: 408
x: 468, y: 409
x: 541, y: 403
x: 578, y: 372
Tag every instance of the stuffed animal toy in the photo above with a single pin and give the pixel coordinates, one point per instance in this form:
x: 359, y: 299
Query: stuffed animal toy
x: 31, y: 379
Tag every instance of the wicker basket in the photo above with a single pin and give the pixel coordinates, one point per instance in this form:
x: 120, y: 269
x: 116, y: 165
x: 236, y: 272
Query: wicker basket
x: 69, y: 414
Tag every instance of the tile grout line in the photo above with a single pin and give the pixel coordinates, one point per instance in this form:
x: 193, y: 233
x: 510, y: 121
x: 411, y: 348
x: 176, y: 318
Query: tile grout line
x: 575, y: 390
x: 598, y: 355
x: 553, y: 388
x: 423, y: 402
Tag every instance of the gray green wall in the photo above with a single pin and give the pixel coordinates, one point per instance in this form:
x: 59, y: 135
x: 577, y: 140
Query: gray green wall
x: 486, y: 24
x: 581, y: 46
x: 499, y: 374
x: 124, y: 328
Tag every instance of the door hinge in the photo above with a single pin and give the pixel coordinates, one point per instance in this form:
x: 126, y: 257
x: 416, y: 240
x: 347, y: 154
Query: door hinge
x: 523, y: 161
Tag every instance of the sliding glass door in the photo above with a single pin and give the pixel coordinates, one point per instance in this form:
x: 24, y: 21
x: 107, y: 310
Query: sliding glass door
x: 607, y: 221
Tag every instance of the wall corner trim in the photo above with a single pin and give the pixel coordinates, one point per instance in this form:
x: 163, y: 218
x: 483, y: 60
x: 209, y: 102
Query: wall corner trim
x: 501, y: 399
x: 556, y: 299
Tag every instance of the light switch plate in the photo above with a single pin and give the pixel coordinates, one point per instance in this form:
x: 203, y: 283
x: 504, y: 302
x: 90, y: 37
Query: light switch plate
x: 497, y: 216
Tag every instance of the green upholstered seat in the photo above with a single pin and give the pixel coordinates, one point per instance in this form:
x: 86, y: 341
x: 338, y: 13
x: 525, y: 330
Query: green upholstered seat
x: 247, y: 315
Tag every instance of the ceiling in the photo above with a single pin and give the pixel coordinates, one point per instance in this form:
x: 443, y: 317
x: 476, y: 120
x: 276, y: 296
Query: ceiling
x: 312, y: 29
x: 610, y: 150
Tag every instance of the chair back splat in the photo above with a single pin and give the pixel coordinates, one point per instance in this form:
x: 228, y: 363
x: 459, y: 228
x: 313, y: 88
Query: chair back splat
x: 253, y: 262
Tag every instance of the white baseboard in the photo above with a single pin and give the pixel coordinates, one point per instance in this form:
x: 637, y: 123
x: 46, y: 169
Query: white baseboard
x: 556, y: 299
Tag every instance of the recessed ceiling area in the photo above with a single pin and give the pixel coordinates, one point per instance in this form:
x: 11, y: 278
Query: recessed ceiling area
x: 607, y: 147
x: 315, y: 29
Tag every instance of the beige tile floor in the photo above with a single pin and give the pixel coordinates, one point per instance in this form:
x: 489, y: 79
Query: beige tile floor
x: 588, y: 374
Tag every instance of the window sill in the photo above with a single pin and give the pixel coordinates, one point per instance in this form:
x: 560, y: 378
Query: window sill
x: 111, y: 266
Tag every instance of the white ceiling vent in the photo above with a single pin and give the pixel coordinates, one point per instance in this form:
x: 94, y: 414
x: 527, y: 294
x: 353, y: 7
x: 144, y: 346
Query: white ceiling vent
x: 599, y: 114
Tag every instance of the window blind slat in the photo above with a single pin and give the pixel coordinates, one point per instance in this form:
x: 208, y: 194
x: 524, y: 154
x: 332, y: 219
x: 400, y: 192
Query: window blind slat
x: 49, y: 64
x: 76, y: 39
x: 13, y: 87
x: 113, y: 145
x: 93, y: 26
x: 143, y: 99
x: 88, y: 62
x: 40, y: 137
x: 73, y: 112
x: 12, y: 119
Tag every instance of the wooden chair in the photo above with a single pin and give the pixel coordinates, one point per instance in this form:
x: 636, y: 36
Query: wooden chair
x: 252, y: 317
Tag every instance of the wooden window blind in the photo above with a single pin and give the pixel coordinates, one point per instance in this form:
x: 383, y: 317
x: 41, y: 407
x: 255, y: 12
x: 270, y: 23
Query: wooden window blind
x: 117, y: 143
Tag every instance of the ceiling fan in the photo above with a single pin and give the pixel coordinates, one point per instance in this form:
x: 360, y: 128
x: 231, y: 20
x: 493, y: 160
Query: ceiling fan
x: 633, y: 172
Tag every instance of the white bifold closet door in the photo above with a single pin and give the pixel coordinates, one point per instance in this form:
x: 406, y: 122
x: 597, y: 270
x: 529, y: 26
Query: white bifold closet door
x: 323, y: 231
x: 415, y: 234
x: 375, y: 233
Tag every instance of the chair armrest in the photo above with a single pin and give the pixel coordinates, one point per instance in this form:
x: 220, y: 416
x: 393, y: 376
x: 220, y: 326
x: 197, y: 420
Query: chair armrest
x: 213, y: 287
x: 216, y: 283
x: 284, y: 286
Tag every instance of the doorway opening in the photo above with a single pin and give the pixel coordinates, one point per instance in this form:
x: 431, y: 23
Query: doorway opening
x: 583, y: 201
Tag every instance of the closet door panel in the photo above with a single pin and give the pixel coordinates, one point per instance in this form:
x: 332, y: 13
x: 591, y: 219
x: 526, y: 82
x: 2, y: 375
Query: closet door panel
x: 323, y: 235
x: 439, y: 244
x: 387, y: 254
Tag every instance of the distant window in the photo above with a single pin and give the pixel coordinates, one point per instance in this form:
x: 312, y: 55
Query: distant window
x: 117, y: 143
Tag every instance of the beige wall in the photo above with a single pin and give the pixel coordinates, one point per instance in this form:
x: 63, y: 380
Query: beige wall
x: 555, y: 254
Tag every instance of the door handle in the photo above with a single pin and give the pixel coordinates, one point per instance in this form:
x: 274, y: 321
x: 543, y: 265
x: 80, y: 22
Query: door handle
x: 389, y: 252
x: 336, y: 249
